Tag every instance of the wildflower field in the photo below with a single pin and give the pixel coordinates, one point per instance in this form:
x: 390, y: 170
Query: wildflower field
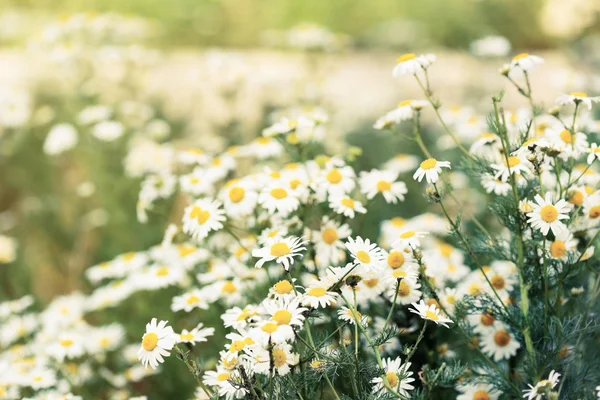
x: 231, y: 201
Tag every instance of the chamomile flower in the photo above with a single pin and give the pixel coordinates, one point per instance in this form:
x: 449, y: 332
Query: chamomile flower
x: 280, y: 358
x: 547, y: 216
x: 337, y: 178
x: 403, y: 112
x: 541, y: 389
x: 239, y: 200
x: 495, y: 185
x: 366, y: 255
x: 157, y: 343
x: 351, y: 316
x: 68, y: 345
x: 514, y: 165
x: 577, y: 98
x: 202, y: 217
x: 594, y: 155
x: 410, y: 239
x: 282, y: 250
x: 397, y: 375
x: 478, y: 391
x: 499, y: 343
x: 196, y: 183
x: 384, y: 182
x: 591, y: 206
x: 431, y: 313
x: 277, y: 197
x: 525, y: 61
x: 328, y: 242
x: 402, y: 163
x: 239, y: 318
x: 316, y: 295
x: 346, y: 205
x: 196, y: 335
x: 431, y: 170
x: 188, y: 301
x: 406, y: 292
x: 410, y: 64
x: 228, y: 382
x: 562, y: 245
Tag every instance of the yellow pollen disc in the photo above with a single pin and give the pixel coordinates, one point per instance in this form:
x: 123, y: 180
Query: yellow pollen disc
x: 186, y: 336
x: 282, y: 317
x: 594, y: 212
x: 280, y: 249
x: 363, y: 257
x: 223, y: 376
x: 403, y: 289
x: 316, y: 364
x: 549, y: 213
x: 407, y: 57
x: 497, y: 282
x: 66, y: 343
x: 273, y: 233
x: 395, y: 259
x: 330, y: 235
x: 292, y: 138
x: 334, y: 176
x: 236, y: 194
x: 186, y: 249
x: 294, y: 183
x: 481, y: 395
x: 236, y: 346
x: 512, y: 161
x: 279, y: 357
x: 200, y: 214
x: 431, y: 315
x: 317, y: 292
x: 558, y: 249
x: 579, y: 94
x: 450, y: 299
x: 245, y: 314
x: 279, y: 193
x: 576, y: 198
x: 520, y: 56
x: 37, y: 378
x: 162, y: 271
x: 404, y: 103
x: 354, y: 314
x: 451, y: 268
x: 474, y: 289
x: 446, y: 250
x: 487, y: 319
x: 129, y: 256
x: 429, y: 164
x: 383, y: 186
x: 150, y: 341
x: 566, y: 136
x: 230, y: 362
x: 407, y: 234
x: 275, y: 175
x: 283, y: 287
x: 192, y: 300
x: 398, y: 222
x: 348, y: 202
x: 104, y: 342
x: 371, y: 282
x: 194, y: 180
x: 392, y: 378
x: 263, y: 140
x: 195, y: 151
x: 502, y: 338
x: 269, y: 327
x: 399, y: 274
x: 229, y: 287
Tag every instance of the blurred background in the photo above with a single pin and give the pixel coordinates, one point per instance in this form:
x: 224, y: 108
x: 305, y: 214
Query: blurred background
x: 127, y: 79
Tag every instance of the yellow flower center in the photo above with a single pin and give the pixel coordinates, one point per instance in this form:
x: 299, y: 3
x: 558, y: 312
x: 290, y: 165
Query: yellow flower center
x: 129, y: 256
x: 576, y: 198
x: 263, y: 140
x: 363, y: 257
x: 279, y: 357
x: 371, y: 282
x: 269, y: 327
x: 216, y: 162
x: 150, y: 341
x: 330, y: 235
x: 383, y: 186
x: 549, y: 213
x: 317, y: 292
x: 399, y: 274
x: 236, y: 346
x: 594, y: 212
x: 236, y: 194
x: 403, y: 289
x: 192, y: 300
x: 348, y: 202
x: 404, y: 103
x: 283, y: 287
x: 294, y: 183
x: 429, y: 164
x: 398, y: 222
x: 481, y: 395
x: 392, y: 378
x: 279, y: 193
x: 162, y: 271
x: 407, y: 57
x: 223, y: 376
x: 66, y: 343
x: 502, y: 338
x: 512, y: 161
x: 186, y: 336
x: 186, y: 249
x: 200, y: 214
x: 275, y: 175
x: 280, y: 249
x: 431, y: 315
x: 334, y: 176
x: 558, y: 249
x: 497, y: 282
x: 579, y: 94
x: 395, y: 259
x: 566, y: 136
x: 450, y: 299
x: 487, y: 319
x: 282, y: 317
x: 316, y: 364
x: 407, y: 234
x: 229, y: 287
x: 520, y: 56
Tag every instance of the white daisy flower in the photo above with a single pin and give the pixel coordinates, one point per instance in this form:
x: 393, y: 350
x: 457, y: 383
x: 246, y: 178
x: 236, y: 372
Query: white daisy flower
x: 239, y: 200
x: 397, y: 376
x: 478, y: 391
x: 525, y: 61
x: 202, y: 217
x: 188, y: 301
x: 328, y: 244
x: 594, y: 151
x: 366, y: 255
x: 282, y: 250
x: 591, y: 206
x: 283, y: 289
x: 515, y: 165
x: 68, y: 345
x: 410, y: 64
x: 547, y: 216
x: 562, y: 245
x: 316, y: 295
x: 239, y: 318
x: 229, y: 383
x: 277, y: 197
x: 402, y: 163
x: 61, y: 138
x: 495, y: 185
x: 157, y: 343
x: 403, y: 112
x: 410, y: 239
x: 407, y: 292
x: 351, y: 316
x: 430, y: 169
x: 280, y: 357
x: 336, y: 179
x: 196, y: 183
x: 108, y: 131
x: 499, y: 343
x: 577, y: 98
x: 346, y: 206
x: 541, y: 389
x: 196, y: 335
x: 193, y: 156
x: 384, y: 182
x: 431, y: 313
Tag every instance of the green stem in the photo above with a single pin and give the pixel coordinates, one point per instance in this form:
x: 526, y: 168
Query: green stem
x: 393, y: 305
